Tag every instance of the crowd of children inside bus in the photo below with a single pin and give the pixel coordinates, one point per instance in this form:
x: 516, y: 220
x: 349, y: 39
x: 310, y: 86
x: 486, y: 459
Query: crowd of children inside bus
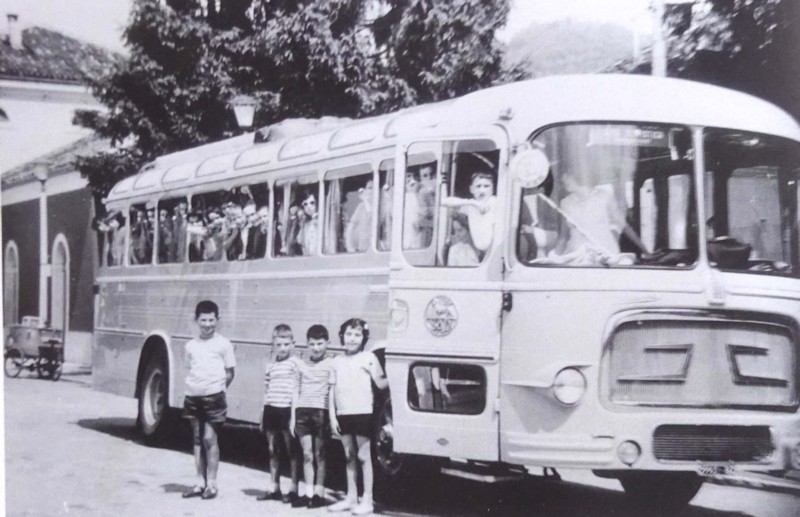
x: 308, y: 401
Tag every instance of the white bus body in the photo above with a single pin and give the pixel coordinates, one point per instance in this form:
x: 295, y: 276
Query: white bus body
x: 643, y: 365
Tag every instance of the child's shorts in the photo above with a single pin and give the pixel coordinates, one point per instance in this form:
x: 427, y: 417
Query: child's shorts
x: 312, y: 422
x: 208, y: 408
x: 276, y: 418
x: 359, y: 425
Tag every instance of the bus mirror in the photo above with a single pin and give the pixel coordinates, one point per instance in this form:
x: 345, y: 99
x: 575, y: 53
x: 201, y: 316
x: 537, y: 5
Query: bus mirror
x: 530, y: 167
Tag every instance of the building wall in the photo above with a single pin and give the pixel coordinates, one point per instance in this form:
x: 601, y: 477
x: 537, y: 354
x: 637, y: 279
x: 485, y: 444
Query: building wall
x: 70, y: 211
x: 21, y: 224
x: 71, y: 214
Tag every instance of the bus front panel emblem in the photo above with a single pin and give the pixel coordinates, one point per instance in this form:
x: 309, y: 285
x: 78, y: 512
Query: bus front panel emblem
x: 441, y: 316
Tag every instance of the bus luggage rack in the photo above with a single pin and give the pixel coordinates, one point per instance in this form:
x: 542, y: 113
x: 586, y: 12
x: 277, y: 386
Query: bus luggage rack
x: 712, y: 443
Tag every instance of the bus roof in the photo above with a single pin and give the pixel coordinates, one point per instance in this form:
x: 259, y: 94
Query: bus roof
x: 573, y: 98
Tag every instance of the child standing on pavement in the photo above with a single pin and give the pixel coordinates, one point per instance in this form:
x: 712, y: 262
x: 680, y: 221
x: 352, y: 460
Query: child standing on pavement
x: 310, y: 420
x: 350, y: 408
x: 211, y: 364
x: 280, y: 380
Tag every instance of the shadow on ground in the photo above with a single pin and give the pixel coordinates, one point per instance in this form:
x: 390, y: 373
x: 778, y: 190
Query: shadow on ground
x: 426, y: 492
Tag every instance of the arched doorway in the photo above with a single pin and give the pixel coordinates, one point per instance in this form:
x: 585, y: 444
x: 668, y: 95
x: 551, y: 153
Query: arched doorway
x: 59, y: 287
x: 11, y: 284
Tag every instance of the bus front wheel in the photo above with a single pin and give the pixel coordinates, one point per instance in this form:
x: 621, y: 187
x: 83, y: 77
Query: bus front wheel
x: 392, y: 468
x: 661, y: 489
x: 155, y: 418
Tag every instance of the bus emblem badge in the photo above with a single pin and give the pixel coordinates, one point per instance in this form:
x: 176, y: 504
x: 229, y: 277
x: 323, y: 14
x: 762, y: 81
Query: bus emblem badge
x: 441, y: 316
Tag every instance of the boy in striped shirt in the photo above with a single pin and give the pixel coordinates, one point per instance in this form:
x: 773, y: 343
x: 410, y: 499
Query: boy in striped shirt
x: 310, y: 421
x: 280, y: 380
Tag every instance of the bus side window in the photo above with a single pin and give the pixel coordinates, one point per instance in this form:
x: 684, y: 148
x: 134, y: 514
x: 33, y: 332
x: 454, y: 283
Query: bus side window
x: 349, y: 202
x: 386, y: 182
x: 141, y: 233
x: 447, y: 388
x: 296, y: 216
x: 172, y: 221
x: 111, y: 232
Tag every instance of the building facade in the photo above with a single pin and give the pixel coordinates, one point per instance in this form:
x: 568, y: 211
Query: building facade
x: 50, y: 250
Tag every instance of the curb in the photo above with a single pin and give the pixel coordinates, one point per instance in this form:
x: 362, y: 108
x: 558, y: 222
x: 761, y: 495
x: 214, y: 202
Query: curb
x: 757, y: 482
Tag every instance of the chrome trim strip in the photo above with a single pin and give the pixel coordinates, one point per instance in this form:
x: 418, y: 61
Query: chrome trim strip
x: 263, y: 275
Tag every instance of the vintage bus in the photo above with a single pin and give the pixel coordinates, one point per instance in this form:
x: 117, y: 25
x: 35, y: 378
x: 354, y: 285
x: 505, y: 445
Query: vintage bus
x: 596, y: 272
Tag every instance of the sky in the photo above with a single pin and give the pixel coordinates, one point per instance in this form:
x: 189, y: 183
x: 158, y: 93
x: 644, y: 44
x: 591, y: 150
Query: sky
x: 102, y: 21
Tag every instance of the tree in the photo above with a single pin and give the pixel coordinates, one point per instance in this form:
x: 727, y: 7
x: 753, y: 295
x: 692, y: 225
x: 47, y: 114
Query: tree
x: 299, y: 58
x: 747, y: 45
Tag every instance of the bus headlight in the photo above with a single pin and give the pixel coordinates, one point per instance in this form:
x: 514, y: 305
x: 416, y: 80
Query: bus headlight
x: 628, y: 452
x: 569, y: 386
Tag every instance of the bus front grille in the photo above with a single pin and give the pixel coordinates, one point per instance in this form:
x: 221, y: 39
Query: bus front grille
x: 712, y: 443
x: 702, y: 362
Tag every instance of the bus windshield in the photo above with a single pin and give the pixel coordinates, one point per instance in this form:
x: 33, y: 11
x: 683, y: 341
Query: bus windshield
x: 618, y: 195
x: 751, y: 202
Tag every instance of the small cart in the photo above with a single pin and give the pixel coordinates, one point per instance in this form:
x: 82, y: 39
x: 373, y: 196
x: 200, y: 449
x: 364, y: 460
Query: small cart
x: 35, y: 347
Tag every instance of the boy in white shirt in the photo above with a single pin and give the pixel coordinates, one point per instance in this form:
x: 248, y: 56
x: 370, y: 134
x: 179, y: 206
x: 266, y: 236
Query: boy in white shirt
x: 211, y: 364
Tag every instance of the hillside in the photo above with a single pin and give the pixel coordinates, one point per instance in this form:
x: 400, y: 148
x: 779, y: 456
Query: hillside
x: 568, y: 46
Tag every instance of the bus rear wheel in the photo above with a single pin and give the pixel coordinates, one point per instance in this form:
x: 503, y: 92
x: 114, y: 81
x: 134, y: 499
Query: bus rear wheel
x: 155, y: 419
x: 661, y: 489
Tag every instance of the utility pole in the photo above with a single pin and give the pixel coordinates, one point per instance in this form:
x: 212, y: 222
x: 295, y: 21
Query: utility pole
x: 659, y: 63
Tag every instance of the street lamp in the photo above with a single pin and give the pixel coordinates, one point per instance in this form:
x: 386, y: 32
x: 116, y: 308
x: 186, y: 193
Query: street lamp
x: 41, y: 172
x: 244, y: 107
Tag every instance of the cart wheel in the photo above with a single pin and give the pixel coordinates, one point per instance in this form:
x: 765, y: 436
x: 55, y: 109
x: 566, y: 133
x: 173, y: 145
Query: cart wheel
x: 14, y: 363
x: 44, y: 367
x: 56, y: 371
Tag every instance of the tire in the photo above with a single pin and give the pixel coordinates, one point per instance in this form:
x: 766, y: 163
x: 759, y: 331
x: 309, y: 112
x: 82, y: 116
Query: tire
x: 44, y: 368
x: 14, y: 363
x: 670, y: 490
x: 155, y: 419
x: 391, y: 468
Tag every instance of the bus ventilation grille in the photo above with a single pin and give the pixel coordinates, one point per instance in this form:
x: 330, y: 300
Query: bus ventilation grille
x: 712, y: 443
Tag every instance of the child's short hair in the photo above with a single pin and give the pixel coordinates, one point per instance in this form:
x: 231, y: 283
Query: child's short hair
x: 355, y: 323
x: 481, y: 175
x: 282, y: 330
x: 206, y: 307
x: 317, y: 332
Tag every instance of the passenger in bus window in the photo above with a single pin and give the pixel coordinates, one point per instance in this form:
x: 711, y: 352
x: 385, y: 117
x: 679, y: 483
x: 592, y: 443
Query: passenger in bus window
x: 212, y: 251
x: 351, y: 406
x: 248, y: 224
x: 280, y: 383
x: 116, y: 225
x: 412, y: 235
x: 210, y: 361
x: 385, y: 217
x: 196, y: 233
x: 480, y: 210
x: 461, y: 252
x: 309, y: 228
x: 179, y: 222
x: 538, y: 231
x: 164, y: 237
x: 358, y: 233
x: 595, y: 221
x: 257, y: 231
x: 141, y: 245
x: 291, y: 245
x: 427, y: 202
x: 231, y: 231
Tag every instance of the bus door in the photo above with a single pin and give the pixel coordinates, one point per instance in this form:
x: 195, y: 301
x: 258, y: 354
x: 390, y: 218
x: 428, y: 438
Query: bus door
x: 442, y: 354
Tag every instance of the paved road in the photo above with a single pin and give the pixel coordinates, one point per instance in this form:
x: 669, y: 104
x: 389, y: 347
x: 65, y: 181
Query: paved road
x: 73, y: 451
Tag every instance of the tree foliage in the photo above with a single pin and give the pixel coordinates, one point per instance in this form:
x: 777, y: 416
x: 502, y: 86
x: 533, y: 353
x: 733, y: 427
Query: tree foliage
x: 299, y: 58
x: 748, y: 45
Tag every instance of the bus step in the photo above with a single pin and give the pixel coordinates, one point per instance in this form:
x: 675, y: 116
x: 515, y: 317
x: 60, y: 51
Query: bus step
x: 484, y: 473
